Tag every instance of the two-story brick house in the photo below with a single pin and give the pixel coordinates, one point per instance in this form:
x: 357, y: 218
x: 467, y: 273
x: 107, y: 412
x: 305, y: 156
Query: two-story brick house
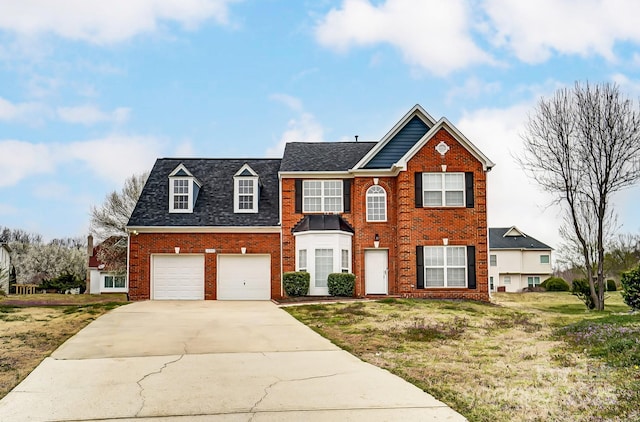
x: 407, y: 215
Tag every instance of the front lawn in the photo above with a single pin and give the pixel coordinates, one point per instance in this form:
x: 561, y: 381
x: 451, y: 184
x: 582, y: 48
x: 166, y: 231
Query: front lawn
x: 523, y: 358
x: 33, y: 326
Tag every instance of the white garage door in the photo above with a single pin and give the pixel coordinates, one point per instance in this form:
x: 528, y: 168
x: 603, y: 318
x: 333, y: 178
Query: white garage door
x: 244, y: 277
x: 178, y: 277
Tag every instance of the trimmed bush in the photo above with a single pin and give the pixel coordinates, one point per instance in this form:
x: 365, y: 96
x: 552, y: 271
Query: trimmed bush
x: 555, y: 284
x: 296, y: 283
x: 341, y: 284
x: 580, y: 288
x: 611, y: 285
x: 630, y: 282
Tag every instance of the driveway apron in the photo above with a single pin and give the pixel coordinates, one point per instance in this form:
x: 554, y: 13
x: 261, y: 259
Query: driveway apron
x: 211, y: 361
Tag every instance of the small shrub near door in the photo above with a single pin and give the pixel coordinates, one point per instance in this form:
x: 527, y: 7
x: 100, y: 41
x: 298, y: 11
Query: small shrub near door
x: 296, y: 283
x: 341, y: 284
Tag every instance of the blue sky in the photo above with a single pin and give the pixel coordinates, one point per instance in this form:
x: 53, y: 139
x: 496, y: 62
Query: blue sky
x: 92, y: 92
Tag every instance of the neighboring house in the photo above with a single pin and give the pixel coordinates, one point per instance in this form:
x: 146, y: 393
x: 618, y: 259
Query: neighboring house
x: 407, y: 215
x: 516, y: 260
x: 101, y: 278
x: 5, y: 266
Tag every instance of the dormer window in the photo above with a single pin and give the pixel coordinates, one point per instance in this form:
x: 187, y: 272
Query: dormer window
x: 183, y: 190
x: 246, y: 189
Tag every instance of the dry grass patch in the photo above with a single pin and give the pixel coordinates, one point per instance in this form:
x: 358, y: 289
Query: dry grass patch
x: 28, y: 334
x: 490, y: 362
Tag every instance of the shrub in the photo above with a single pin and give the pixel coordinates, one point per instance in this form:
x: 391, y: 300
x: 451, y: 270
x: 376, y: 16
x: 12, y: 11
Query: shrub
x: 341, y: 284
x: 296, y: 283
x: 611, y: 285
x: 580, y: 288
x: 555, y: 284
x: 64, y: 282
x: 630, y: 282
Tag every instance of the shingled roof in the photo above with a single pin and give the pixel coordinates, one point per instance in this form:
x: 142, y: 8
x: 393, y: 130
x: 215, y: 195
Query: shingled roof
x: 323, y: 156
x: 498, y: 240
x: 214, y: 206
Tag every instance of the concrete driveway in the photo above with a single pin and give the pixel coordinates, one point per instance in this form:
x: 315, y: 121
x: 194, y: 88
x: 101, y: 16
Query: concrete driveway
x: 211, y: 361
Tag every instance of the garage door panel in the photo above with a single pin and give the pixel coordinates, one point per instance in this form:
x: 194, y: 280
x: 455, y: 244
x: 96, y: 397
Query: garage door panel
x: 178, y: 277
x: 244, y: 277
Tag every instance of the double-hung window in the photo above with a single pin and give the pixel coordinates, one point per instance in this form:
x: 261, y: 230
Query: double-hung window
x: 180, y: 194
x: 443, y: 189
x: 302, y: 260
x: 344, y: 261
x: 245, y: 185
x: 322, y: 196
x: 445, y: 266
x: 544, y: 259
x: 376, y: 204
x: 533, y: 281
x: 324, y: 266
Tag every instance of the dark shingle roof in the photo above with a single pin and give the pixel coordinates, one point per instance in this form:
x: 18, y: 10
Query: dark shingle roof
x: 214, y: 206
x: 322, y: 222
x: 398, y: 146
x: 498, y: 240
x: 323, y: 156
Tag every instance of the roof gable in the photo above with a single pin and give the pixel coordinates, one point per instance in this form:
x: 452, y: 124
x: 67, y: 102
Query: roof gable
x: 399, y: 144
x: 445, y: 124
x: 246, y: 171
x: 404, y: 134
x: 512, y: 238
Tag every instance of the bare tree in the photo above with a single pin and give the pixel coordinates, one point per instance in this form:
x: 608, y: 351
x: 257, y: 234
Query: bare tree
x: 583, y: 145
x: 109, y: 221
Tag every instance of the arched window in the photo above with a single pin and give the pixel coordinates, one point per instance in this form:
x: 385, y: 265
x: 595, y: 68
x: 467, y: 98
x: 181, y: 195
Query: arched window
x: 376, y: 204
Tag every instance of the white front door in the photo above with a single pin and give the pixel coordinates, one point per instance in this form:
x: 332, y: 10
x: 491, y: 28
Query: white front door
x: 376, y: 262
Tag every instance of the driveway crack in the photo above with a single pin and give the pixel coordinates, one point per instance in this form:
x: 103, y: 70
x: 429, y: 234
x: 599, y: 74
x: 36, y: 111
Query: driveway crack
x: 141, y: 380
x: 253, y: 412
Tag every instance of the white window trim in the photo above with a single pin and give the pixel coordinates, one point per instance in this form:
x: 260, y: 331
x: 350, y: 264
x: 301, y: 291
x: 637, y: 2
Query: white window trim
x: 189, y: 208
x: 493, y: 260
x: 300, y: 260
x: 533, y: 279
x: 443, y: 191
x: 345, y: 268
x: 548, y: 259
x: 236, y: 195
x: 112, y: 289
x: 445, y: 267
x: 370, y: 194
x: 322, y: 197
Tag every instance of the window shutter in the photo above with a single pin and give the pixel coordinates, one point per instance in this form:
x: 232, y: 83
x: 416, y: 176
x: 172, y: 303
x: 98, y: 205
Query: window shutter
x: 471, y: 267
x: 468, y: 184
x: 346, y: 195
x: 419, y: 267
x: 418, y: 179
x: 298, y: 195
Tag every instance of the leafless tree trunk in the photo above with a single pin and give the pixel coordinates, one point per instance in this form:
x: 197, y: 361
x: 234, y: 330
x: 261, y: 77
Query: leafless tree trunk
x: 583, y: 146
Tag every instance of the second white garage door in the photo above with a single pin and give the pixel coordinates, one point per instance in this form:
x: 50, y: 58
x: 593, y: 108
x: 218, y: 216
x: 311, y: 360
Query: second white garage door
x: 244, y: 277
x: 178, y: 277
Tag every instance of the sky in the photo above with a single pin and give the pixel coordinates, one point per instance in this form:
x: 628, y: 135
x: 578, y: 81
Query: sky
x: 92, y: 92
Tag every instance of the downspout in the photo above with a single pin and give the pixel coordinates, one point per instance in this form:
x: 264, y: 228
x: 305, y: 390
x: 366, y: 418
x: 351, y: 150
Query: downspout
x: 128, y: 251
x: 280, y: 223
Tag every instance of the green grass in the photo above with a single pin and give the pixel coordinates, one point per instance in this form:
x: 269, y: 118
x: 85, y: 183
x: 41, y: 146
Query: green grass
x: 526, y: 357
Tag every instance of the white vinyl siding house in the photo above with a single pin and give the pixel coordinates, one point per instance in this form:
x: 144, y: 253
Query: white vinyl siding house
x: 517, y: 261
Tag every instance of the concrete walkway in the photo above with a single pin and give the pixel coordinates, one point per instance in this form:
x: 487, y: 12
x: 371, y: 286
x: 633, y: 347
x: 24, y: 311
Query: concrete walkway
x: 211, y: 361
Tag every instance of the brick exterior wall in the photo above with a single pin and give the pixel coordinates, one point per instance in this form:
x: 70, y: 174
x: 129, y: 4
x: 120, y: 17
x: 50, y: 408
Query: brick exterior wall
x: 143, y: 245
x: 407, y: 226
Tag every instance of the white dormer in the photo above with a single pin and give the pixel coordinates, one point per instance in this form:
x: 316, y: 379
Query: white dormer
x: 245, y: 190
x: 183, y: 190
x: 514, y: 232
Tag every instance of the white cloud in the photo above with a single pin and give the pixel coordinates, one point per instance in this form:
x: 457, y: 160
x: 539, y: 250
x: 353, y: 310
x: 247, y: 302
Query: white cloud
x: 30, y: 111
x: 19, y: 159
x: 302, y: 128
x: 90, y: 114
x: 113, y: 158
x: 536, y: 29
x: 627, y: 86
x: 106, y: 22
x: 512, y: 198
x: 432, y: 34
x: 472, y: 88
